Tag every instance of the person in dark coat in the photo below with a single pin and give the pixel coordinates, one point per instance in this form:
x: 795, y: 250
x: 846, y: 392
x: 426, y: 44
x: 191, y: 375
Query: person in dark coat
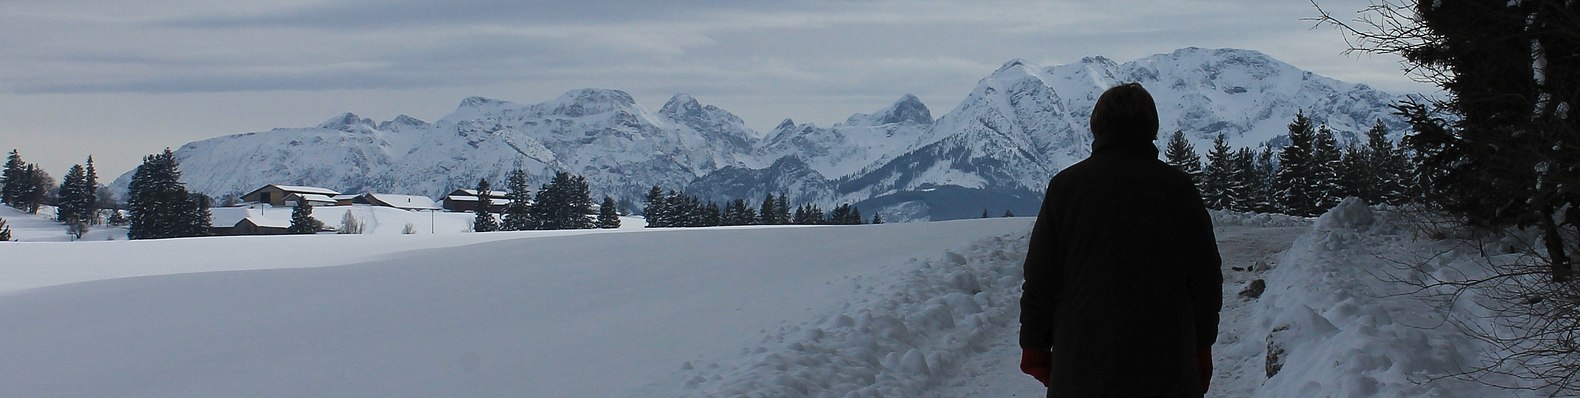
x: 1123, y: 284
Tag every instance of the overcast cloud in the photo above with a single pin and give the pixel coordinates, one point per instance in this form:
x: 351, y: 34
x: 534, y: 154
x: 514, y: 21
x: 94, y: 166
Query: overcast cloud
x: 123, y: 79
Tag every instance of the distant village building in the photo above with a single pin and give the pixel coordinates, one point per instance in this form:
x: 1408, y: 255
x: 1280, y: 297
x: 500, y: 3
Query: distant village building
x: 466, y: 200
x: 229, y: 221
x: 278, y: 195
x: 403, y: 202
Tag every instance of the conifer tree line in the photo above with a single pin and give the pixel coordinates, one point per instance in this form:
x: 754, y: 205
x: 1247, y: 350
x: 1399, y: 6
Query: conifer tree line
x: 79, y: 199
x: 562, y: 203
x: 671, y: 210
x: 1310, y: 175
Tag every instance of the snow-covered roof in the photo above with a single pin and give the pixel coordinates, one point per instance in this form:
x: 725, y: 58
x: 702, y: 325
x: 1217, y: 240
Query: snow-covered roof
x: 316, y: 198
x: 345, y: 197
x: 227, y: 216
x: 307, y: 190
x: 269, y: 222
x: 460, y: 198
x: 497, y: 194
x: 409, y: 202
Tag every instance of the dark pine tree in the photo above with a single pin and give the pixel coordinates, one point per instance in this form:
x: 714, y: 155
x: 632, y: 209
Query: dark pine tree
x: 302, y: 221
x: 564, y: 203
x: 608, y: 214
x: 40, y: 191
x: 1328, y: 160
x: 655, y: 211
x: 1182, y: 155
x: 5, y: 231
x: 1391, y: 172
x: 1216, y: 178
x: 13, y: 180
x: 518, y: 213
x: 1297, y: 180
x: 782, y: 209
x: 1263, y: 190
x: 840, y: 215
x: 70, y: 194
x: 483, y: 218
x: 765, y: 213
x: 877, y: 219
x: 1243, y: 181
x: 711, y: 216
x: 1355, y: 175
x: 74, y: 205
x: 158, y: 203
x: 90, y: 210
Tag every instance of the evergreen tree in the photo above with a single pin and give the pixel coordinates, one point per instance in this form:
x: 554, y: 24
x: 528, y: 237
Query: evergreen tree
x: 1391, y: 174
x: 1009, y: 213
x: 1355, y: 176
x: 711, y: 216
x: 13, y: 180
x: 1243, y: 181
x: 839, y: 215
x: 782, y: 209
x: 608, y: 217
x: 518, y: 213
x: 91, y: 184
x: 75, y: 203
x: 1298, y: 176
x: 1216, y: 179
x: 765, y: 214
x: 71, y: 193
x: 36, y: 192
x: 1263, y: 188
x: 1182, y: 155
x: 1328, y: 161
x: 483, y: 219
x: 984, y: 212
x: 877, y: 219
x: 302, y: 221
x: 5, y: 231
x: 564, y: 203
x: 656, y: 209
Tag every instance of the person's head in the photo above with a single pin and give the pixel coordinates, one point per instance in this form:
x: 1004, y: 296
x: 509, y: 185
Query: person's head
x: 1125, y: 113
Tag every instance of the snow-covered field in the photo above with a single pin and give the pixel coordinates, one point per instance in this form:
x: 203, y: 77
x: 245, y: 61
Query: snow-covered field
x: 914, y: 309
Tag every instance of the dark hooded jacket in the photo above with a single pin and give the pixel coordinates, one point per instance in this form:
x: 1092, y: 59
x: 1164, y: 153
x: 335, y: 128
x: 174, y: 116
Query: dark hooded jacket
x: 1123, y: 283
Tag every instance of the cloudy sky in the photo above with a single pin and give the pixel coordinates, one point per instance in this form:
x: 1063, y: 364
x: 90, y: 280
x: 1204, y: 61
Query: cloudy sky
x: 121, y: 79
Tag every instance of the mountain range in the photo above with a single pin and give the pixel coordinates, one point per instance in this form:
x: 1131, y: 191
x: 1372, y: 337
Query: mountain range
x: 994, y: 152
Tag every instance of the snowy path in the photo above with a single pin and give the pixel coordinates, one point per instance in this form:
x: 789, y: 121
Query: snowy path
x: 995, y: 372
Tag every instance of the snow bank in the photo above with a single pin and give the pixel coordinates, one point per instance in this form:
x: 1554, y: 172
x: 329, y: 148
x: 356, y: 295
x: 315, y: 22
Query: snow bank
x: 937, y: 313
x: 1224, y: 218
x: 1336, y: 322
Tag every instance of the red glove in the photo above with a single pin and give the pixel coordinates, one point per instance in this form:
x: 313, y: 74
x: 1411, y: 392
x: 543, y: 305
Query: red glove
x: 1035, y: 363
x: 1204, y: 364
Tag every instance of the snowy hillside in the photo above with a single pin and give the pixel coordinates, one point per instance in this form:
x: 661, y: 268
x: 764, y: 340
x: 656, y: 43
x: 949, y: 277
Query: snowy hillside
x: 1019, y: 126
x: 917, y: 309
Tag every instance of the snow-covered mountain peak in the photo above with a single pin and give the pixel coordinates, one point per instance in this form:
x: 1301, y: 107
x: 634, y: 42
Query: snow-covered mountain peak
x: 785, y: 125
x: 402, y: 121
x: 591, y: 101
x: 681, y: 104
x: 348, y: 122
x: 908, y: 109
